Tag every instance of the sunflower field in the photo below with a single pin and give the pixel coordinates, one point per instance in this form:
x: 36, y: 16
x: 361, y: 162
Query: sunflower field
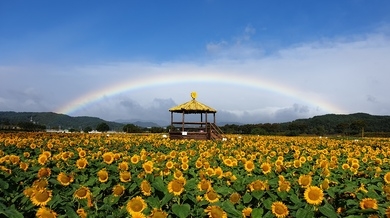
x: 124, y: 175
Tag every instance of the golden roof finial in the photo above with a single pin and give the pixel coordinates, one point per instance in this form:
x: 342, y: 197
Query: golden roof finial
x: 193, y: 95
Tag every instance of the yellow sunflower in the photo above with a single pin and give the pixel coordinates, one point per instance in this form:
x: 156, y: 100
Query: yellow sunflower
x: 28, y: 192
x: 249, y: 166
x: 198, y: 164
x: 123, y: 166
x: 148, y: 167
x: 228, y: 162
x: 108, y: 157
x: 297, y: 163
x: 64, y: 179
x: 184, y: 166
x: 169, y: 164
x: 325, y: 184
x: 368, y: 203
x: 176, y: 186
x: 386, y: 177
x: 42, y: 159
x: 235, y: 197
x: 215, y: 212
x: 246, y: 212
x: 284, y: 186
x: 82, y: 193
x: 305, y: 181
x: 279, y: 209
x: 118, y: 190
x: 266, y: 168
x: 23, y: 166
x: 135, y: 159
x: 82, y: 153
x: 44, y: 212
x: 204, y: 185
x: 136, y: 205
x: 138, y: 215
x: 40, y: 183
x: 102, y: 175
x: 211, y: 196
x: 146, y: 189
x: 81, y: 163
x: 41, y: 197
x: 158, y: 213
x: 125, y: 176
x: 258, y: 185
x: 178, y: 174
x: 314, y: 195
x: 82, y: 213
x: 44, y: 172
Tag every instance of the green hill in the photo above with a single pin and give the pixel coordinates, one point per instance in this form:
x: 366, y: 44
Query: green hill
x: 55, y: 121
x: 329, y: 124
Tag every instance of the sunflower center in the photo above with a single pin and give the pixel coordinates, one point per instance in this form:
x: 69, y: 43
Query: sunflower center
x: 176, y: 186
x: 314, y: 195
x: 216, y: 213
x: 212, y: 195
x: 65, y: 179
x: 81, y: 193
x: 42, y: 196
x: 118, y: 190
x: 279, y: 209
x: 258, y: 185
x: 204, y: 185
x: 136, y: 206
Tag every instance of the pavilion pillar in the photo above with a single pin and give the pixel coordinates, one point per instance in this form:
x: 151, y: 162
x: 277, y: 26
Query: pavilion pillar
x: 171, y: 128
x: 182, y: 122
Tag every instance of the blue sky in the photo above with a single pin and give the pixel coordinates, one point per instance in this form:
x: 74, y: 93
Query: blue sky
x: 54, y: 52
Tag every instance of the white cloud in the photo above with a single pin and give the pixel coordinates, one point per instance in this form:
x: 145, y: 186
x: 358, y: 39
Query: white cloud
x: 351, y: 73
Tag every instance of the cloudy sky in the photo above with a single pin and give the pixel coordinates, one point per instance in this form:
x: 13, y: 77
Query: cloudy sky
x: 253, y: 61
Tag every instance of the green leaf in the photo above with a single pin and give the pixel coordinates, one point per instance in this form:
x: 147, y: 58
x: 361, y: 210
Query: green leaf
x: 190, y: 184
x: 282, y: 195
x: 331, y: 193
x: 3, y: 185
x: 328, y: 210
x: 90, y: 181
x: 223, y: 190
x: 182, y: 211
x: 257, y: 212
x: 230, y: 209
x: 166, y: 199
x: 304, y: 213
x: 247, y: 198
x: 158, y: 184
x: 12, y: 212
x: 153, y: 202
x: 258, y: 194
x: 267, y: 203
x: 294, y: 198
x: 71, y: 213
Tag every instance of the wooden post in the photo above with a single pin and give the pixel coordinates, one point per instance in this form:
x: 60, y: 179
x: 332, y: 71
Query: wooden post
x: 171, y: 122
x: 182, y: 123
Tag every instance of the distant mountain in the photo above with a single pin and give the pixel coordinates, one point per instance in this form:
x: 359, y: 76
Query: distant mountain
x: 56, y: 121
x: 223, y: 123
x: 144, y: 123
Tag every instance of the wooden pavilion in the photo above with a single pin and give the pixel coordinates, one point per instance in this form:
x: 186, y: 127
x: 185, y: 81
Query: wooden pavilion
x: 204, y: 129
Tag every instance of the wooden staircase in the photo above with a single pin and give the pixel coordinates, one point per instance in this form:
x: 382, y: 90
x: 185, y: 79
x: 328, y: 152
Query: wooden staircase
x: 215, y: 132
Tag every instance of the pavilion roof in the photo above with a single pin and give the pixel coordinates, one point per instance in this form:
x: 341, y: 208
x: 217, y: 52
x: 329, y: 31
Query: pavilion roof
x: 192, y: 106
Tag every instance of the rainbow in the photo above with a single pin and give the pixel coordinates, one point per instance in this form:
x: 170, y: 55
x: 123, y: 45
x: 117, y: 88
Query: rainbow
x: 212, y: 78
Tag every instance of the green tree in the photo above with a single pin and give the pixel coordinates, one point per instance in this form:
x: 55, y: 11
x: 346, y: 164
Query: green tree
x: 131, y: 128
x: 87, y: 129
x: 102, y: 127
